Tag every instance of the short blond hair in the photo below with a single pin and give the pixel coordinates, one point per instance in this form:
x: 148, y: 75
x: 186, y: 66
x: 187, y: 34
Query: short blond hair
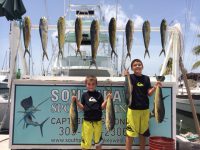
x: 90, y: 78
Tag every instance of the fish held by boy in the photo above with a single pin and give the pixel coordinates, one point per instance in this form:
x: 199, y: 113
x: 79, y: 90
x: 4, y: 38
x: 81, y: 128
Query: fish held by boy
x: 94, y: 34
x: 43, y: 30
x: 73, y: 113
x: 146, y: 36
x: 27, y: 34
x: 78, y: 35
x: 159, y: 108
x: 110, y: 114
x: 129, y: 37
x: 112, y: 35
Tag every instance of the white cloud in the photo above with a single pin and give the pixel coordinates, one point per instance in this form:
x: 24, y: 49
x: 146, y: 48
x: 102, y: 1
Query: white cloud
x: 109, y: 11
x: 138, y: 21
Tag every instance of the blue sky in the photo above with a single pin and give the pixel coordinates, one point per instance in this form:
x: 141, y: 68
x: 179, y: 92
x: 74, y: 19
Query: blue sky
x: 138, y: 10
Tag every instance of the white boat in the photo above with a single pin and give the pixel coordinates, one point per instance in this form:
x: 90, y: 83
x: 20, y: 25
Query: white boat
x: 72, y: 65
x: 4, y: 98
x: 182, y: 101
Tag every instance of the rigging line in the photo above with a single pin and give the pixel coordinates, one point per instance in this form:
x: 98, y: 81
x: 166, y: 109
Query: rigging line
x: 46, y: 10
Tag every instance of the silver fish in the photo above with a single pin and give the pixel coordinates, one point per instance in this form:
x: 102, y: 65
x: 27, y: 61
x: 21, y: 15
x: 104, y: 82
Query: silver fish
x: 146, y: 36
x: 129, y: 37
x: 78, y: 34
x: 27, y: 34
x: 163, y: 32
x: 94, y: 34
x: 61, y: 35
x: 112, y: 35
x: 110, y: 114
x: 43, y: 29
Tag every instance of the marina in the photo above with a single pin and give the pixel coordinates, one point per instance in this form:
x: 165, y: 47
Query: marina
x: 36, y: 109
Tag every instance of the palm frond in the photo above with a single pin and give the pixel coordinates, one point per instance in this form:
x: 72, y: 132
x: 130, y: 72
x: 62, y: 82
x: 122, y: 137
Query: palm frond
x: 196, y: 50
x: 196, y: 65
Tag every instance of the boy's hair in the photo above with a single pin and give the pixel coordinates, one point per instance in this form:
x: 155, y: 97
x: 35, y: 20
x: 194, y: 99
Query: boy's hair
x: 136, y: 60
x: 90, y: 78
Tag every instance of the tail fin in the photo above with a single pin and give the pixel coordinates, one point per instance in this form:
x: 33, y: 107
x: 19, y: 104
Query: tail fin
x: 114, y: 53
x: 45, y: 54
x: 163, y: 51
x: 146, y: 52
x: 27, y: 51
x: 93, y: 62
x: 128, y: 55
x: 78, y: 51
x: 41, y: 125
x: 60, y: 52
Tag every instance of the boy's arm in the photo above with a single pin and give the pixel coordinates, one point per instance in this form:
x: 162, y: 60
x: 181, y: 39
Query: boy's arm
x: 103, y: 105
x: 79, y: 104
x: 152, y: 90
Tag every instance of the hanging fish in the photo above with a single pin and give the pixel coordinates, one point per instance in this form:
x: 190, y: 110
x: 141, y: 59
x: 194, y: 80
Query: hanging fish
x: 43, y: 29
x: 61, y: 35
x: 163, y: 32
x: 94, y: 34
x: 112, y: 35
x: 129, y: 37
x: 78, y: 34
x: 146, y: 36
x: 27, y: 34
x: 110, y: 114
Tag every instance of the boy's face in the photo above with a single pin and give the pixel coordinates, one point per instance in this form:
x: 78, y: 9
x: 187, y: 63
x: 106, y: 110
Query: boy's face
x: 91, y: 85
x: 137, y: 67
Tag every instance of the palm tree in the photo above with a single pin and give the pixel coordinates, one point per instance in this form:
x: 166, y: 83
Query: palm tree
x: 196, y: 51
x: 168, y: 69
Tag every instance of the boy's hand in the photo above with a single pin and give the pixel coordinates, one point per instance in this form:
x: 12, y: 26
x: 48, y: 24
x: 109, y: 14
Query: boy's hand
x: 109, y: 95
x: 158, y: 84
x: 74, y: 98
x: 126, y: 72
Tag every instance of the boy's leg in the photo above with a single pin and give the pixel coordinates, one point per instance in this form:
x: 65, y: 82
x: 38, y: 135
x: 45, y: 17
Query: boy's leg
x: 129, y: 142
x: 142, y: 142
x: 98, y: 134
x: 86, y: 135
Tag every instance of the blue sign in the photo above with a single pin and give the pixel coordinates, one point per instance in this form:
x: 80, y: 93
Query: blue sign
x: 41, y: 115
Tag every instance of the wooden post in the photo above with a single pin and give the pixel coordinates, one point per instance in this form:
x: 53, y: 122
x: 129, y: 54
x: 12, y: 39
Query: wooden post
x: 196, y: 122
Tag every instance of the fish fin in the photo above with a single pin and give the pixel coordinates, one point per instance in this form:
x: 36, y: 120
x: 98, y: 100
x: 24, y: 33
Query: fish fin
x: 114, y: 53
x: 41, y: 125
x: 163, y: 51
x: 146, y: 52
x: 128, y: 55
x: 20, y: 121
x: 45, y: 54
x: 93, y: 62
x: 151, y: 115
x: 27, y: 51
x: 78, y: 51
x: 60, y: 53
x: 165, y: 97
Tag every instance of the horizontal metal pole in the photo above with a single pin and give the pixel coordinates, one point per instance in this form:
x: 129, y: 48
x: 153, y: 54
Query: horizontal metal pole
x: 103, y: 29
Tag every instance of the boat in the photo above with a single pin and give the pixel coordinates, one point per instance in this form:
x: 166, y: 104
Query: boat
x: 182, y: 101
x: 72, y: 65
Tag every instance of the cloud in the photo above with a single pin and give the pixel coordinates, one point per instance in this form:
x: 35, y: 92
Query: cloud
x: 138, y: 21
x: 109, y: 11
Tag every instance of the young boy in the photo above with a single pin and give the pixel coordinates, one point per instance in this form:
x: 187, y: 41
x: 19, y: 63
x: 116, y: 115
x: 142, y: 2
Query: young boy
x: 92, y: 104
x: 138, y: 111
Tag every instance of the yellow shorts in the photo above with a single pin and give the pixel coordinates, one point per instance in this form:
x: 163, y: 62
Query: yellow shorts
x: 137, y: 123
x: 90, y: 129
